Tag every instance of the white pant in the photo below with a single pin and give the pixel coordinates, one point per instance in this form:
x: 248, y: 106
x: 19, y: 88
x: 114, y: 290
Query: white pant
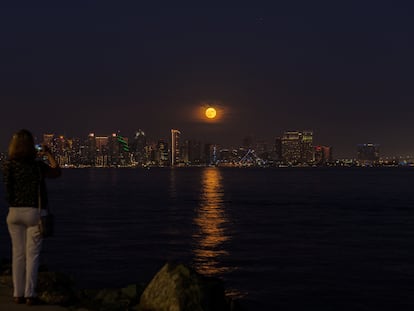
x: 26, y: 245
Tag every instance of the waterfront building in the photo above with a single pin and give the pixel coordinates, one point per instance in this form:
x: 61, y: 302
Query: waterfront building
x: 368, y: 154
x: 262, y: 149
x: 297, y: 147
x: 113, y: 150
x: 48, y: 140
x: 89, y: 151
x: 323, y: 155
x: 101, y: 150
x: 307, y: 155
x: 162, y: 155
x: 278, y: 149
x: 175, y: 147
x: 194, y: 152
x: 138, y: 145
x: 62, y: 150
x: 74, y: 150
x: 125, y: 157
x: 101, y: 143
x: 291, y: 147
x: 225, y: 155
x: 210, y: 154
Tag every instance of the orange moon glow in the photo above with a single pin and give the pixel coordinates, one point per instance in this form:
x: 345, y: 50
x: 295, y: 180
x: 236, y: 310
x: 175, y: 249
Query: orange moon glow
x: 211, y: 113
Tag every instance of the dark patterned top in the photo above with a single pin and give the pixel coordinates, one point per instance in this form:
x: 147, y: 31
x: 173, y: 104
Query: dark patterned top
x: 22, y: 179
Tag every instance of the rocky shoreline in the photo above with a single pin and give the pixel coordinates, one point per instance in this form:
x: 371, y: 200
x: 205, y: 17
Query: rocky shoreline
x: 175, y: 287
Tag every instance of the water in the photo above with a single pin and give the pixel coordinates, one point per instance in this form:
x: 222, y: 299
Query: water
x: 281, y: 239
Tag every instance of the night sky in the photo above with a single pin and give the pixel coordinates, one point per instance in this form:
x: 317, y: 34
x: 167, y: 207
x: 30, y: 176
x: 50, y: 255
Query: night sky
x: 342, y: 68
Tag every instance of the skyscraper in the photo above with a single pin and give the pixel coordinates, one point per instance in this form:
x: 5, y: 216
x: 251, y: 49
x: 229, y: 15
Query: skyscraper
x: 90, y: 150
x: 138, y: 147
x: 161, y: 157
x: 113, y: 150
x: 278, y: 148
x: 48, y: 140
x: 175, y: 147
x: 368, y: 154
x: 101, y: 150
x: 194, y: 150
x: 297, y: 147
x: 307, y: 147
x: 291, y: 146
x: 323, y: 154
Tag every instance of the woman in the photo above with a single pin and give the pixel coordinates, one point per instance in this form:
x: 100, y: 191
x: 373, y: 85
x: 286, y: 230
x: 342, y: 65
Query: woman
x: 24, y: 175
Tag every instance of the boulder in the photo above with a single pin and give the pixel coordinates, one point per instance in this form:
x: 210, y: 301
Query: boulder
x: 5, y: 273
x: 56, y: 288
x: 177, y: 287
x: 111, y: 299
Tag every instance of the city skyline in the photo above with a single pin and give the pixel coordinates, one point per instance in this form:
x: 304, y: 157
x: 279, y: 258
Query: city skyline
x: 293, y: 148
x: 127, y: 140
x: 342, y: 70
x: 189, y: 136
x: 40, y: 137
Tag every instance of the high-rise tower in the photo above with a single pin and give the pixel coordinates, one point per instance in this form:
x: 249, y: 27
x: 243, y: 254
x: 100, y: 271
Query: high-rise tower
x: 175, y: 147
x: 297, y: 147
x: 307, y: 147
x: 368, y: 154
x: 291, y: 146
x: 138, y: 146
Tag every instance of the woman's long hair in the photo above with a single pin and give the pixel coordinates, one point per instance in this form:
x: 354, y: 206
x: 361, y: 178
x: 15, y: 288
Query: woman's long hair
x: 22, y: 146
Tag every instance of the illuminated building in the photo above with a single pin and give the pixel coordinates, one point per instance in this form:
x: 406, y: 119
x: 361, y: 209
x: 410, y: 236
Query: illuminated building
x: 307, y: 147
x: 297, y: 147
x: 48, y: 139
x: 138, y: 147
x: 101, y: 143
x: 89, y: 151
x: 175, y: 147
x: 291, y: 146
x: 278, y: 148
x: 124, y: 154
x: 225, y: 155
x: 368, y: 154
x: 210, y: 154
x: 62, y: 150
x: 162, y: 155
x: 74, y: 150
x: 323, y: 154
x: 101, y: 150
x: 113, y: 150
x: 195, y: 153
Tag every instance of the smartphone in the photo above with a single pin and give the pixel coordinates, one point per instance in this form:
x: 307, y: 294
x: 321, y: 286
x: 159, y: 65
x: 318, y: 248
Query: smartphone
x: 38, y: 147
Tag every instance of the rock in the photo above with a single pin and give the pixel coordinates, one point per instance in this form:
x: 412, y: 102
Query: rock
x: 177, y: 287
x: 112, y: 299
x: 6, y: 280
x: 132, y: 292
x: 56, y: 288
x: 5, y: 273
x: 52, y: 287
x: 5, y: 266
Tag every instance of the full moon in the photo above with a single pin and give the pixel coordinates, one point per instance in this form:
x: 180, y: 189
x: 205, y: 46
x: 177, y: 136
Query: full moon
x: 211, y: 113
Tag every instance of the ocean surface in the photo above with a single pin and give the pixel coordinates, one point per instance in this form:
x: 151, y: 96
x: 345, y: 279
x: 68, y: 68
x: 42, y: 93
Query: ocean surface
x: 281, y: 239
